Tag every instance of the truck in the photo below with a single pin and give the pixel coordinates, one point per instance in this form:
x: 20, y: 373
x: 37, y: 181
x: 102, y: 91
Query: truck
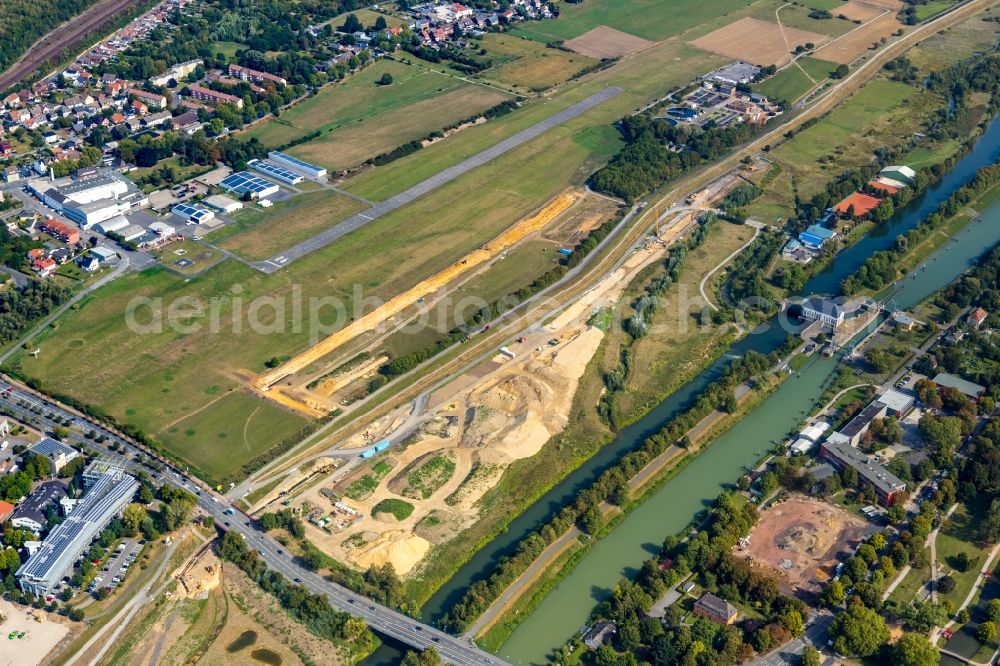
x: 565, y: 251
x: 378, y: 448
x: 507, y: 352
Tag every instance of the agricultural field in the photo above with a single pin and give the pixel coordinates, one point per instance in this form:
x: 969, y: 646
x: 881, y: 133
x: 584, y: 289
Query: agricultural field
x: 760, y: 42
x: 354, y: 100
x: 528, y: 65
x: 795, y: 80
x: 290, y: 222
x: 351, y: 144
x: 649, y: 19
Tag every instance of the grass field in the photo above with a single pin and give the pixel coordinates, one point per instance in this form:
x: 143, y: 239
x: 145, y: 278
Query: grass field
x: 930, y: 9
x: 650, y: 19
x: 792, y: 83
x: 912, y: 583
x: 957, y: 536
x: 353, y: 143
x: 777, y: 202
x: 232, y: 426
x: 354, y: 100
x: 876, y: 114
x: 956, y: 43
x: 659, y: 70
x: 292, y: 221
x: 228, y: 49
x: 795, y: 16
x: 382, y: 259
x: 528, y: 64
x: 675, y: 343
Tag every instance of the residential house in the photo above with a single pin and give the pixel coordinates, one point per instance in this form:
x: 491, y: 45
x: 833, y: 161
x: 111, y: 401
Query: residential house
x: 977, y: 317
x: 715, y: 609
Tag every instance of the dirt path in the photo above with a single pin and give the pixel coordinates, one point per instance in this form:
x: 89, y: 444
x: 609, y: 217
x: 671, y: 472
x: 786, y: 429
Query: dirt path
x: 704, y: 280
x: 609, y: 255
x: 788, y: 47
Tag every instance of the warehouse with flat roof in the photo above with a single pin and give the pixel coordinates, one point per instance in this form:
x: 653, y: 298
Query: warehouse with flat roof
x: 295, y: 164
x: 276, y: 171
x: 64, y: 545
x: 244, y: 182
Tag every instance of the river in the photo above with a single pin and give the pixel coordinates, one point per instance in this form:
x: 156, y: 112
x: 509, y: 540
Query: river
x: 567, y: 606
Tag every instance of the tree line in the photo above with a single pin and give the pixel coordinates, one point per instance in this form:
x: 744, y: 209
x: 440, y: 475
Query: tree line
x: 645, y: 162
x: 611, y: 486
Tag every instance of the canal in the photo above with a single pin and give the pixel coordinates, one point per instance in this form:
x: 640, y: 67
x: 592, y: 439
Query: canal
x: 567, y: 606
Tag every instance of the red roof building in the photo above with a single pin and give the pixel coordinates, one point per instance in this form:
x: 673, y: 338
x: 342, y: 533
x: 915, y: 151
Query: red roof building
x: 977, y: 317
x: 44, y: 266
x: 63, y: 232
x: 861, y: 203
x: 6, y: 510
x: 883, y: 187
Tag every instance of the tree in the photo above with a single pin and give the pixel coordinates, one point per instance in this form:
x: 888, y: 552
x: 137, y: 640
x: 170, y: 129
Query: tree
x: 810, y: 656
x: 132, y: 518
x: 858, y: 631
x: 990, y: 525
x: 986, y: 632
x: 385, y: 79
x: 833, y: 594
x: 428, y: 657
x: 993, y: 610
x: 914, y: 650
x: 945, y: 584
x: 768, y: 483
x: 352, y: 25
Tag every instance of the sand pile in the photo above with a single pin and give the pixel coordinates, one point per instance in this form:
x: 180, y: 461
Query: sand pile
x: 398, y: 548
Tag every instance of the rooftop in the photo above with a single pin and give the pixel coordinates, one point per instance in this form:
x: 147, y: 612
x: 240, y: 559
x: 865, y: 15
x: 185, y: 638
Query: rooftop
x: 872, y: 472
x: 970, y: 389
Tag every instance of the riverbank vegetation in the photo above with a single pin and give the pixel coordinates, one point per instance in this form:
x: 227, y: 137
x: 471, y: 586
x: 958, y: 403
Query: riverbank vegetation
x: 610, y: 487
x: 313, y: 610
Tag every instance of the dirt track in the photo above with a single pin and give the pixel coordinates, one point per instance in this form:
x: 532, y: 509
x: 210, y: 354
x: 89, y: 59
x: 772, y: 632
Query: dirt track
x: 64, y: 37
x: 606, y: 259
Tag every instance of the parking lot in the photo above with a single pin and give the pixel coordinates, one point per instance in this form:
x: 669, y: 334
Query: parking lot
x: 115, y: 568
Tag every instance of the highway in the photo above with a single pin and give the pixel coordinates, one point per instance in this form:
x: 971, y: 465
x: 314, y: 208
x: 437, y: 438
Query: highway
x: 442, y: 177
x: 27, y: 406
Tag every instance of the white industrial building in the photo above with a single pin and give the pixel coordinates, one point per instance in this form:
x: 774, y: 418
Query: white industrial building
x: 109, y: 492
x: 223, y: 203
x: 90, y: 199
x: 116, y: 223
x: 295, y: 164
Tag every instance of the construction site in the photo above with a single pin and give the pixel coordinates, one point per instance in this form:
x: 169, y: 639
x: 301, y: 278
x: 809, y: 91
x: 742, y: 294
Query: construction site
x: 427, y: 487
x: 802, y: 540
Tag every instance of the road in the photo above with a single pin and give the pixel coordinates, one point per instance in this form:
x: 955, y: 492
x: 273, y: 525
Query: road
x: 117, y: 272
x: 25, y: 405
x: 789, y: 653
x: 601, y: 261
x: 442, y: 177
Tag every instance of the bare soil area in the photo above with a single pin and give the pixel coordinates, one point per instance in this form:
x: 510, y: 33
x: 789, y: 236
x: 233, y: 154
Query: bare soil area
x: 853, y: 44
x: 480, y: 429
x: 802, y: 539
x: 759, y: 42
x: 604, y: 42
